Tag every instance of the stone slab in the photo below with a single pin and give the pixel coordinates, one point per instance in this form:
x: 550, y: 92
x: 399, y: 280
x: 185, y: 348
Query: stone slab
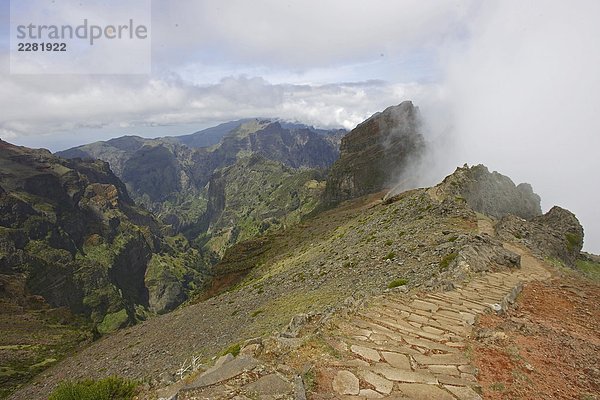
x: 463, y: 393
x: 380, y: 384
x: 396, y: 360
x: 226, y: 371
x: 365, y: 352
x: 424, y: 392
x: 270, y: 385
x: 345, y: 382
x: 401, y: 375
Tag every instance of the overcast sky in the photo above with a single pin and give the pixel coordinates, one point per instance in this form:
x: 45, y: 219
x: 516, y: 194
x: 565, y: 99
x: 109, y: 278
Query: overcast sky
x: 511, y: 84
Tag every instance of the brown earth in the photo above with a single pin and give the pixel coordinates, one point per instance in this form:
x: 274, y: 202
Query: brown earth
x: 546, y: 347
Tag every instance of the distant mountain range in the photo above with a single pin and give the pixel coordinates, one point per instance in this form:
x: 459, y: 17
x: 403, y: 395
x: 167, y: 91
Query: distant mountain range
x: 175, y: 177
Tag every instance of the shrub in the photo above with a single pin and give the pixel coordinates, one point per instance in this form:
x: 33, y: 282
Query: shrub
x: 111, y: 388
x: 309, y: 379
x: 234, y: 350
x: 447, y: 260
x: 391, y: 255
x: 573, y: 241
x: 397, y: 282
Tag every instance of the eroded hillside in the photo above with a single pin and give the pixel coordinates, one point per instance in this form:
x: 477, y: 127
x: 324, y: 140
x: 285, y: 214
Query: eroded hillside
x: 72, y: 242
x: 357, y: 250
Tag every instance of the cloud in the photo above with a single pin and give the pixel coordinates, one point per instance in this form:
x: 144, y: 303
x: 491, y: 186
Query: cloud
x: 522, y: 96
x: 298, y: 34
x: 68, y: 103
x: 215, y: 60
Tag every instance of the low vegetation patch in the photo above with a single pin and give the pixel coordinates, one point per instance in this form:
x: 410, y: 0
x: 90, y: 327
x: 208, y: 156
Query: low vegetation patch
x: 397, y: 282
x: 111, y: 388
x: 447, y: 260
x: 573, y: 241
x: 234, y: 350
x: 589, y: 268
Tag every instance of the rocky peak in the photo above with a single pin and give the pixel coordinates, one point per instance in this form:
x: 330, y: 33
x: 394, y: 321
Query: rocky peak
x: 376, y: 154
x: 491, y: 193
x: 556, y: 234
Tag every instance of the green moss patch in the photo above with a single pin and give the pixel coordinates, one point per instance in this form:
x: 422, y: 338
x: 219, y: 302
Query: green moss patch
x: 573, y: 241
x: 113, y: 321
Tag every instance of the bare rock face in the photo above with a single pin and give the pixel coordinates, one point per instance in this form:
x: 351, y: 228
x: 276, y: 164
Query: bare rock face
x: 492, y: 193
x: 376, y: 153
x: 557, y: 233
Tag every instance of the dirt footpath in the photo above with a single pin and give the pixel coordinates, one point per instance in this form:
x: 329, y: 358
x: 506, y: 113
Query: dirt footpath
x: 547, y: 346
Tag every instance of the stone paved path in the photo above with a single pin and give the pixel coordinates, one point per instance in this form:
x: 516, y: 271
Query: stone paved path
x: 400, y: 346
x: 414, y: 346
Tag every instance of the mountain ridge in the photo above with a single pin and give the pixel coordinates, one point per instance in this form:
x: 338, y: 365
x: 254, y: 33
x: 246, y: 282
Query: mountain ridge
x: 430, y: 238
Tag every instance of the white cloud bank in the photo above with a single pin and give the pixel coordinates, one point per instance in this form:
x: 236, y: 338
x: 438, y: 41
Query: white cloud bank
x: 34, y: 106
x: 524, y: 96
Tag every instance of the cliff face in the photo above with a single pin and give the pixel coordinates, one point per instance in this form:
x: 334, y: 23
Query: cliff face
x: 376, y: 154
x: 71, y: 228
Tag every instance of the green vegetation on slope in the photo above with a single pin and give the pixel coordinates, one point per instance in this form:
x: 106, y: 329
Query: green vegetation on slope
x: 111, y: 388
x: 257, y: 197
x: 589, y: 268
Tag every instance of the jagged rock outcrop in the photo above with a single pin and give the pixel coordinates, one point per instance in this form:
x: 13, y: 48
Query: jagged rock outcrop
x: 71, y: 228
x: 491, y: 193
x: 557, y: 234
x: 376, y: 154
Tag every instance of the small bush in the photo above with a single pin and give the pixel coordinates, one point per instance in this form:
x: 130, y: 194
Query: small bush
x: 389, y: 242
x: 111, y: 388
x: 309, y: 379
x: 234, y: 350
x: 397, y: 282
x: 447, y: 260
x: 255, y: 313
x: 390, y: 256
x: 573, y: 241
